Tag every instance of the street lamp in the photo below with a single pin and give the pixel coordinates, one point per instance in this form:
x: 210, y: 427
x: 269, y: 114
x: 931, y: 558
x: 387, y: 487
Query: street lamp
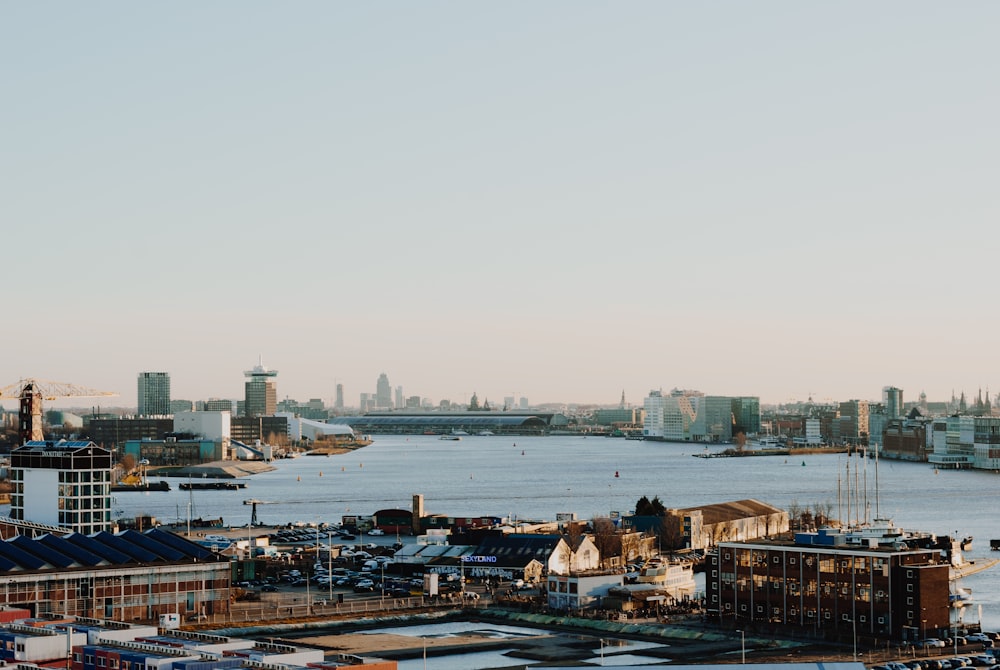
x: 743, y: 646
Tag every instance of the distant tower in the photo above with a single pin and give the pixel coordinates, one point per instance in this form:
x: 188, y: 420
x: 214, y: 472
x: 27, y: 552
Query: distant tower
x: 339, y: 402
x: 399, y: 397
x: 261, y: 391
x: 621, y: 405
x: 154, y: 394
x: 383, y: 392
x: 892, y: 400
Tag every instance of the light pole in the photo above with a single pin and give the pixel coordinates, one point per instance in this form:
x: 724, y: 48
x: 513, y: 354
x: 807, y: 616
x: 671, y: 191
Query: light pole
x: 329, y: 560
x: 602, y: 652
x: 854, y: 635
x: 743, y: 646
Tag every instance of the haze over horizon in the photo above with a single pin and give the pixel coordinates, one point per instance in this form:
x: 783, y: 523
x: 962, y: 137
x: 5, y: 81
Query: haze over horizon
x: 561, y: 200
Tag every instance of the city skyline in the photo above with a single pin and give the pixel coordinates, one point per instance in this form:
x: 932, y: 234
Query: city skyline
x: 276, y: 395
x: 562, y: 200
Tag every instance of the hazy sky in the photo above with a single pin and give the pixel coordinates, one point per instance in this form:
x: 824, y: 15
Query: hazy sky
x: 562, y: 200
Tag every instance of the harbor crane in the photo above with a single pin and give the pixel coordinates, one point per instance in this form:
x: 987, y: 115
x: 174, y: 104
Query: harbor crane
x: 253, y: 510
x: 31, y: 393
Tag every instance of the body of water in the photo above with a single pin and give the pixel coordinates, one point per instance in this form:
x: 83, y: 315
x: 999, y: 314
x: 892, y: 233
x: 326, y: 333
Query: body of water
x: 537, y: 477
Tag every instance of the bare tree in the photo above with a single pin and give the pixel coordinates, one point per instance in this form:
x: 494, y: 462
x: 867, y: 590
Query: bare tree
x: 606, y: 539
x: 671, y: 531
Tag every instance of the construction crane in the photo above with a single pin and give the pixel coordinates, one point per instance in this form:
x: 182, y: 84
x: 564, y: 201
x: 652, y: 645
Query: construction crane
x: 31, y: 392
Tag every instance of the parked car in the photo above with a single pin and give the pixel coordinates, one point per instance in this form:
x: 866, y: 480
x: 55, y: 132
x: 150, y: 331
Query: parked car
x: 269, y: 588
x: 376, y: 531
x: 983, y: 659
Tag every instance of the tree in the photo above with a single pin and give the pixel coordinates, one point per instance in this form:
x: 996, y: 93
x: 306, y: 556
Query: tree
x: 671, y: 532
x: 606, y: 539
x: 128, y: 463
x: 647, y: 507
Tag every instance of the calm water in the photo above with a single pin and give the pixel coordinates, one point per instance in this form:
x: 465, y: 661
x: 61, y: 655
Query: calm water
x: 536, y: 478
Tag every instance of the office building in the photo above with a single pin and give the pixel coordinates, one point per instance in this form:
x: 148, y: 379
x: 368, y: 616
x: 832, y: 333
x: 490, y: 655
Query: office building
x: 831, y: 581
x: 261, y: 391
x: 64, y: 484
x: 746, y: 414
x: 892, y: 400
x: 339, y: 402
x: 154, y: 394
x: 383, y: 392
x: 218, y: 405
x: 854, y: 427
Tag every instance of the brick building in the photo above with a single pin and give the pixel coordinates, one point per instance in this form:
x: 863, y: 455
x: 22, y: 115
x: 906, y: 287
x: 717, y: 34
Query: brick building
x: 825, y: 583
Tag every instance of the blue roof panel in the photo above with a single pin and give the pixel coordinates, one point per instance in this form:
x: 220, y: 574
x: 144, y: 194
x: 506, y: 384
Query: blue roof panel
x: 79, y: 554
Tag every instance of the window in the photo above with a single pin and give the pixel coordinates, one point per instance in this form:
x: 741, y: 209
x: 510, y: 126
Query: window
x: 909, y: 588
x: 791, y: 560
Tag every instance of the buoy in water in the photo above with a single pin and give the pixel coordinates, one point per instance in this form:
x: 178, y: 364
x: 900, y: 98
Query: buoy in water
x: 522, y: 452
x: 298, y: 479
x: 320, y: 473
x: 343, y: 469
x: 616, y: 473
x: 803, y: 464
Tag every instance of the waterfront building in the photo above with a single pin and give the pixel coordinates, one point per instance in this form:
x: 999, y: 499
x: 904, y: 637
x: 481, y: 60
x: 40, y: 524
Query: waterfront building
x: 746, y: 413
x: 154, y: 394
x: 130, y: 575
x: 671, y: 417
x: 261, y: 391
x: 62, y: 484
x: 581, y: 591
x: 172, y: 451
x: 441, y: 422
x: 822, y: 583
x: 717, y: 413
x: 966, y: 442
x: 906, y: 439
x: 705, y: 526
x: 813, y: 436
x: 112, y: 432
x: 617, y: 416
x: 249, y: 429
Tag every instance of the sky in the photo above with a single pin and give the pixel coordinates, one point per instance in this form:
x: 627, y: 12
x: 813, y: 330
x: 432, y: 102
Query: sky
x: 561, y: 200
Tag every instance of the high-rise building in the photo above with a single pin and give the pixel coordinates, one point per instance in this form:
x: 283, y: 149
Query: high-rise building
x: 154, y: 394
x: 399, y: 397
x: 383, y: 392
x: 261, y: 391
x: 746, y: 414
x: 339, y: 403
x: 65, y: 484
x: 854, y: 420
x: 892, y: 400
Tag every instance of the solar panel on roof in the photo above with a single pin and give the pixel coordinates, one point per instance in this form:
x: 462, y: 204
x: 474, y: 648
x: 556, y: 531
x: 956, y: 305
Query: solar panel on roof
x: 20, y: 557
x: 134, y: 552
x: 6, y: 565
x: 190, y: 549
x: 162, y: 551
x: 36, y: 548
x: 79, y: 554
x: 109, y: 554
